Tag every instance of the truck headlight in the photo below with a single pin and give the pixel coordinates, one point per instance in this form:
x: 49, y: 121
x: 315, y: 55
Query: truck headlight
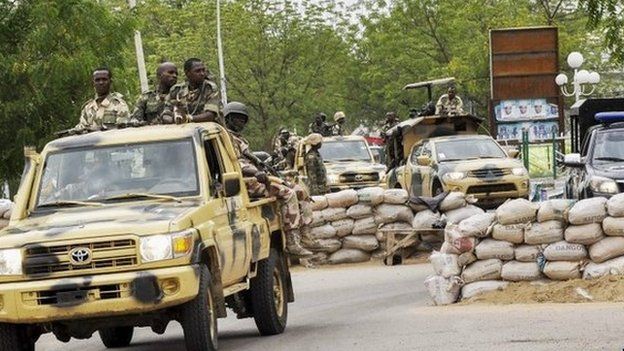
x: 454, y: 176
x: 519, y: 171
x: 333, y: 179
x: 166, y: 246
x: 603, y: 185
x: 11, y: 262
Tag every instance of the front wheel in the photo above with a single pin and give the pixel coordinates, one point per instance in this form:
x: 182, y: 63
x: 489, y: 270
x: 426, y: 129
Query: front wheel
x: 199, y: 317
x: 14, y: 337
x: 268, y: 295
x: 116, y: 337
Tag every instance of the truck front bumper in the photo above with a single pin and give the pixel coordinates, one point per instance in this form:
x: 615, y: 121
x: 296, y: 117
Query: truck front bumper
x: 97, y: 295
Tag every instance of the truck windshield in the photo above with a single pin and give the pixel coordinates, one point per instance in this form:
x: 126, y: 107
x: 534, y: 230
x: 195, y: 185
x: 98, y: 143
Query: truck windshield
x: 463, y: 149
x: 336, y: 151
x: 110, y: 173
x: 609, y: 146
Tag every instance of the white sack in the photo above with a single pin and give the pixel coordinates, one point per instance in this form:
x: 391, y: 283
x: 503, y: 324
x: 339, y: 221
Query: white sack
x: 452, y: 201
x: 388, y: 213
x: 562, y: 270
x: 317, y: 219
x: 396, y: 196
x: 457, y: 215
x: 554, y: 210
x: 366, y: 243
x: 592, y: 210
x: 343, y: 227
x: 323, y: 232
x: 520, y: 271
x: 372, y: 196
x: 322, y: 245
x: 466, y: 258
x: 514, y: 233
x: 364, y: 226
x: 565, y: 251
x: 586, y: 234
x: 443, y: 291
x: 527, y: 253
x: 611, y: 267
x: 516, y: 211
x: 348, y: 256
x: 359, y: 211
x: 445, y: 265
x: 344, y: 198
x: 544, y: 233
x: 455, y: 242
x: 334, y: 214
x: 482, y: 270
x: 425, y: 219
x: 319, y: 202
x: 607, y: 248
x: 479, y: 225
x: 615, y: 205
x: 477, y: 288
x: 613, y: 226
x: 490, y: 248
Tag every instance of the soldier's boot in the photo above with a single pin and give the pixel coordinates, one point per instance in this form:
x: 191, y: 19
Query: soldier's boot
x: 293, y: 244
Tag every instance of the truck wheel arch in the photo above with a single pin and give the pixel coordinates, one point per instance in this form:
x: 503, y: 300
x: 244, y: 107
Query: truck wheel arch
x: 210, y: 258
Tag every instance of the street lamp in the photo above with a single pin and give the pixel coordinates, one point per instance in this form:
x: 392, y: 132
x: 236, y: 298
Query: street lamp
x: 581, y: 77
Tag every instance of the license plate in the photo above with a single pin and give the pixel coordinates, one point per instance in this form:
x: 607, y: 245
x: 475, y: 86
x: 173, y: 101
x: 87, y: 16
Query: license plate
x: 71, y: 298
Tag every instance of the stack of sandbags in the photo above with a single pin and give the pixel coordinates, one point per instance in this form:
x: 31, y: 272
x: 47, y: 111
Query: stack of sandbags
x: 6, y: 209
x: 345, y: 225
x: 607, y: 252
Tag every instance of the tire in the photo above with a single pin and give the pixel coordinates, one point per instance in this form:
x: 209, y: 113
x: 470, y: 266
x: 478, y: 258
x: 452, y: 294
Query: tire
x: 199, y: 317
x: 13, y: 337
x: 437, y: 189
x: 116, y: 337
x: 268, y: 295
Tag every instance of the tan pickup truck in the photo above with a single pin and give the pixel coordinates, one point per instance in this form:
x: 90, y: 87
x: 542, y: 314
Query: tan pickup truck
x: 138, y: 227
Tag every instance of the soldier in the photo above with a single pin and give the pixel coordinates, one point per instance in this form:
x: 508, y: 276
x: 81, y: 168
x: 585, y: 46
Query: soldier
x: 195, y: 100
x: 107, y: 109
x: 236, y: 118
x: 315, y: 169
x: 284, y: 150
x: 450, y: 104
x: 319, y: 125
x: 338, y: 128
x: 151, y: 104
x: 391, y: 120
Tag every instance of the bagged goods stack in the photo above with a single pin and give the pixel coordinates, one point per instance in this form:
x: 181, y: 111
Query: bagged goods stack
x: 524, y: 241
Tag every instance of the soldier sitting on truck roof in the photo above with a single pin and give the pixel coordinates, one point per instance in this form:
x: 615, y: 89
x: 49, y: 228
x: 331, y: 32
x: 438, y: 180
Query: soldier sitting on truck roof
x: 107, y: 109
x: 236, y: 117
x: 151, y: 104
x: 450, y: 104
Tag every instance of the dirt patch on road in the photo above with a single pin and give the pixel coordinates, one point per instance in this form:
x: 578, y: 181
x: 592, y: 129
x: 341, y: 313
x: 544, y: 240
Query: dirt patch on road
x: 605, y: 289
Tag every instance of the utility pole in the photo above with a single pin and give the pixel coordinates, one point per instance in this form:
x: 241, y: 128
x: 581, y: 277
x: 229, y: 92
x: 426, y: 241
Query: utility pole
x: 138, y: 45
x: 220, y: 54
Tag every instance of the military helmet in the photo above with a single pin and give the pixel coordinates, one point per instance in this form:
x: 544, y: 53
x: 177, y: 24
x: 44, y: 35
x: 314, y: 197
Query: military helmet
x: 235, y: 107
x: 313, y: 139
x: 284, y: 131
x: 339, y: 115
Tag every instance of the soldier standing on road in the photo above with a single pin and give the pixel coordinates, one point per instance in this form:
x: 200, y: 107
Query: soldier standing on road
x: 315, y: 169
x: 338, y: 128
x: 107, y: 109
x: 151, y: 104
x: 236, y: 117
x: 450, y: 103
x: 319, y: 125
x: 391, y: 120
x: 195, y: 100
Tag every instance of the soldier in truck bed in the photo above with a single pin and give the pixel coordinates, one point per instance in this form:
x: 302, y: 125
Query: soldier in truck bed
x: 151, y: 104
x: 108, y: 109
x: 236, y: 117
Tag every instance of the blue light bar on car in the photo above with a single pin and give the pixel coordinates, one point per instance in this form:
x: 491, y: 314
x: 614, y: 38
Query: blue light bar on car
x: 610, y: 117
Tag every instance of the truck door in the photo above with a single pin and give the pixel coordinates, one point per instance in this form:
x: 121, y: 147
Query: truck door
x: 413, y: 172
x: 232, y: 228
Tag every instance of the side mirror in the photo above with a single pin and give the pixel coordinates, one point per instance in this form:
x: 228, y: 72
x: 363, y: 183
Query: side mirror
x: 423, y: 160
x: 573, y: 160
x: 513, y: 153
x: 231, y: 184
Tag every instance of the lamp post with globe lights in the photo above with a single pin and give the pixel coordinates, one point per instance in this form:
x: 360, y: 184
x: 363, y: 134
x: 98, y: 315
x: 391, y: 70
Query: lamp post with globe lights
x: 580, y: 79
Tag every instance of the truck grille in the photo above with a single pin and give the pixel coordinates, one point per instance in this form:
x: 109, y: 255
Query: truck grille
x: 68, y: 296
x: 359, y: 177
x: 490, y: 188
x: 489, y: 173
x: 55, y: 258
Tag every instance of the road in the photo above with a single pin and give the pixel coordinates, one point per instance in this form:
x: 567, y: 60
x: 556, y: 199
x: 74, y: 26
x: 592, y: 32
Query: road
x: 373, y: 307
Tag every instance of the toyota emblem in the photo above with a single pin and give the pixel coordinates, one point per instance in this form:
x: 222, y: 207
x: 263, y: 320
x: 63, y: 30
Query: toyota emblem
x: 359, y: 177
x: 80, y: 256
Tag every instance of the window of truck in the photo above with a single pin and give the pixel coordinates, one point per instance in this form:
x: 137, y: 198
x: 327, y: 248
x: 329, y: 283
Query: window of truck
x: 100, y: 174
x: 464, y: 149
x: 608, y: 147
x: 337, y: 151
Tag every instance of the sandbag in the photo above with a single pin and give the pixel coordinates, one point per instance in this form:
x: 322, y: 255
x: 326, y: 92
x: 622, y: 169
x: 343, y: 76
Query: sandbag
x: 322, y: 245
x: 516, y: 211
x: 543, y: 233
x: 586, y: 234
x: 457, y: 243
x: 397, y: 227
x: 615, y: 205
x: 554, y: 210
x: 453, y: 201
x: 527, y: 253
x: 366, y: 243
x: 466, y: 258
x: 317, y: 219
x: 607, y: 248
x: 432, y: 238
x: 513, y: 233
x: 396, y: 196
x: 359, y: 211
x: 364, y: 226
x: 343, y: 227
x: 334, y: 214
x: 323, y: 232
x: 348, y: 256
x: 490, y: 248
x: 388, y: 213
x: 318, y: 259
x: 477, y: 288
x: 613, y: 226
x: 479, y: 225
x: 457, y: 215
x: 563, y: 270
x: 319, y: 202
x: 565, y: 251
x: 445, y: 265
x: 344, y: 198
x: 520, y: 271
x: 372, y: 196
x: 443, y: 291
x: 613, y: 266
x: 425, y: 219
x: 482, y: 270
x: 592, y: 210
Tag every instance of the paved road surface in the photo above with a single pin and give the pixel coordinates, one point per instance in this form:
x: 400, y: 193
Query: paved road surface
x: 374, y: 307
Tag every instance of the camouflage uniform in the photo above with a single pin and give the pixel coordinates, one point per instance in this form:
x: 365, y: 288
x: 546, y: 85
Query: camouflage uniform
x: 109, y: 112
x: 149, y: 107
x: 387, y: 126
x: 196, y: 101
x: 317, y: 175
x: 450, y: 106
x: 323, y: 129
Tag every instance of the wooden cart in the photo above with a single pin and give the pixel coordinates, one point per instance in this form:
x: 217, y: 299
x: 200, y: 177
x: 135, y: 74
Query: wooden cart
x: 401, y: 244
